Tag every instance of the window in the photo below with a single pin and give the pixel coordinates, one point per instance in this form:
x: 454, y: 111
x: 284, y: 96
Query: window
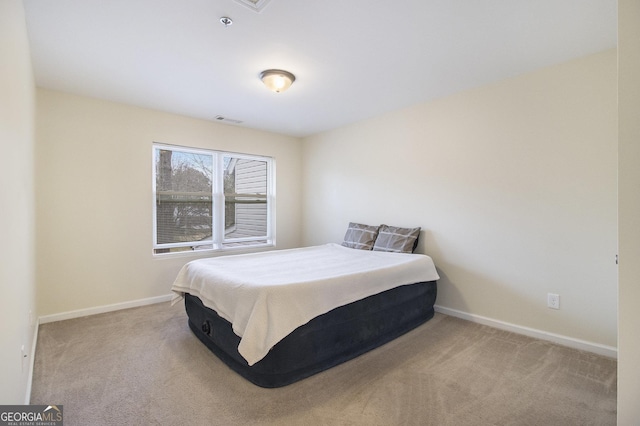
x: 210, y: 200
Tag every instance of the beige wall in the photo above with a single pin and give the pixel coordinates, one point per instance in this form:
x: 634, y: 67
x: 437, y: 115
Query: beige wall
x: 17, y: 251
x: 94, y: 218
x: 514, y: 185
x: 629, y: 212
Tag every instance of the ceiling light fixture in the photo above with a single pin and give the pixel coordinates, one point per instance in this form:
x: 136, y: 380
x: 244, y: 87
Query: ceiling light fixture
x: 277, y: 80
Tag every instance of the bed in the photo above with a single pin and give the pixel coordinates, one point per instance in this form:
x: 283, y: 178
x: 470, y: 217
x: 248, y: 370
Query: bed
x: 280, y: 316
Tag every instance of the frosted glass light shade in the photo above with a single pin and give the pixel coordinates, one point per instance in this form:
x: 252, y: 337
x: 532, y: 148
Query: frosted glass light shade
x: 277, y: 80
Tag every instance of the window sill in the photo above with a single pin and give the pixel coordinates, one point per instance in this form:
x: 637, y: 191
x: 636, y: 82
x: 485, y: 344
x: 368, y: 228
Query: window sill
x: 215, y: 252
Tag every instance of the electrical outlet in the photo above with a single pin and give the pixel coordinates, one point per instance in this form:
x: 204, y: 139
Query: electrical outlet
x: 23, y: 357
x: 553, y: 301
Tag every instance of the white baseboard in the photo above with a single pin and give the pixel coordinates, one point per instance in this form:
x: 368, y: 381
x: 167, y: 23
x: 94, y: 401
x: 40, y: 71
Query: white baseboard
x: 102, y: 309
x: 32, y: 362
x: 608, y: 351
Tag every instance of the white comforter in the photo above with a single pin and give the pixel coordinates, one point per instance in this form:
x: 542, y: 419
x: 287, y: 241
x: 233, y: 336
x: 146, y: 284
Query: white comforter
x: 265, y: 296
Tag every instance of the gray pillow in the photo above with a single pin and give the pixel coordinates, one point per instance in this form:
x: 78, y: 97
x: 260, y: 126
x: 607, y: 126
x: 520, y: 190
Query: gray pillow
x: 395, y: 239
x: 360, y: 236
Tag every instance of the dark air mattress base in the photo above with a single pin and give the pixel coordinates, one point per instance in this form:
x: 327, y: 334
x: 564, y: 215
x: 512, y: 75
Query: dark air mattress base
x: 327, y: 340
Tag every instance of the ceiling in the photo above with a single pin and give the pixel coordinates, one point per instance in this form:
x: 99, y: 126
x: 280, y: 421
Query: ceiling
x: 353, y: 59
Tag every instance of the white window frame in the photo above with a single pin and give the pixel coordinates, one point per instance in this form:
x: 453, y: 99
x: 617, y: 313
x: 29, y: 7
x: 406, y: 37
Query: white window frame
x: 219, y: 242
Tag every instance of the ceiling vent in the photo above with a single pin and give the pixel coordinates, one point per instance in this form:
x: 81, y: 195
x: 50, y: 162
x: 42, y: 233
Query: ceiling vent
x: 255, y: 5
x: 227, y: 120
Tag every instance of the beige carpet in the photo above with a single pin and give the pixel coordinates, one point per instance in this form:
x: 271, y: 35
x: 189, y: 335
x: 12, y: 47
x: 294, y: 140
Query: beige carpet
x: 143, y: 366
